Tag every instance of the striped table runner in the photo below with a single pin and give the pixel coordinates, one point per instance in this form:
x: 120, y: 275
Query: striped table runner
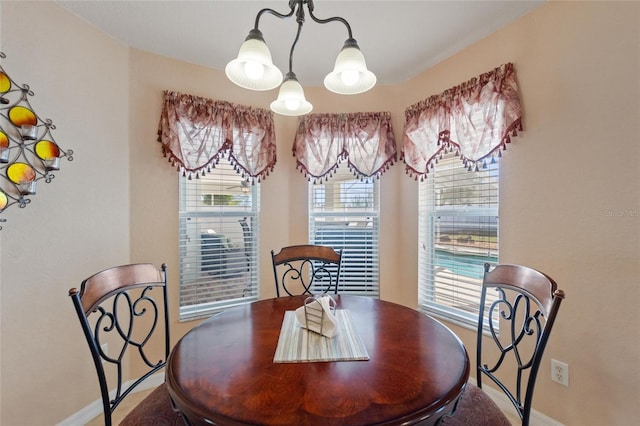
x: 297, y: 344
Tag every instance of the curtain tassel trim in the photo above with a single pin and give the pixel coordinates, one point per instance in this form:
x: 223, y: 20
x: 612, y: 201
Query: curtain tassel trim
x: 496, y: 117
x: 364, y: 139
x: 197, y: 132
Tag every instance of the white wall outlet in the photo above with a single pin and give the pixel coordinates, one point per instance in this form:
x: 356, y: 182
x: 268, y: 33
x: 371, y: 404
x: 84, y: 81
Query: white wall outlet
x: 560, y: 372
x: 105, y: 348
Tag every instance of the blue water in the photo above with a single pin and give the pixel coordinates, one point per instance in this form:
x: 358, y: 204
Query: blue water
x: 466, y: 265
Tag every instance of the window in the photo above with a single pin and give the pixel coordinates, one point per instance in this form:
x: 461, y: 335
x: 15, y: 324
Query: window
x: 218, y: 241
x: 343, y: 214
x: 458, y: 234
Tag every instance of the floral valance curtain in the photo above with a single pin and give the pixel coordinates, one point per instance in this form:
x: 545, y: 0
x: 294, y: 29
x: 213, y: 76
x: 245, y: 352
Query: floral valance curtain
x: 196, y: 132
x: 365, y: 140
x: 475, y: 119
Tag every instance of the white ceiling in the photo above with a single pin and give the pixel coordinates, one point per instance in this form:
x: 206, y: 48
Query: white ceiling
x: 398, y: 38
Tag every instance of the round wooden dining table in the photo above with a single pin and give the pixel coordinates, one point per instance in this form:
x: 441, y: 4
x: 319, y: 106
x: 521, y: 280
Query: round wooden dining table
x: 223, y: 372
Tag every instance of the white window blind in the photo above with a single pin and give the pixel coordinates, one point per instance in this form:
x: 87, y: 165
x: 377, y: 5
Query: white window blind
x: 458, y: 234
x: 344, y: 214
x: 218, y: 241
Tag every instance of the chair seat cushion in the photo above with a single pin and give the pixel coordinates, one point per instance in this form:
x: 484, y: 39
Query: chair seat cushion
x: 476, y: 408
x: 155, y: 410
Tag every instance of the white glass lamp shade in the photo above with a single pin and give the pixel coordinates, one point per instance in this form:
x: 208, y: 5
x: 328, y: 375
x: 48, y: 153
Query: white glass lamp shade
x: 253, y: 68
x: 350, y: 75
x: 291, y: 99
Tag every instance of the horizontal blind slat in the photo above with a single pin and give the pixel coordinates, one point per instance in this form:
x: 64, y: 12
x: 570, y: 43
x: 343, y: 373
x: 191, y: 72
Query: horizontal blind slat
x: 458, y: 234
x: 219, y: 230
x: 343, y: 214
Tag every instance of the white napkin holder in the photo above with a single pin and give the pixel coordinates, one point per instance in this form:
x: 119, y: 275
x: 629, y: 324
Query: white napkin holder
x: 318, y: 315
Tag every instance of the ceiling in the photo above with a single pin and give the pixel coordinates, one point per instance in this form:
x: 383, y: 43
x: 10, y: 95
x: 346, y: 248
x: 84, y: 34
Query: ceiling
x: 399, y: 38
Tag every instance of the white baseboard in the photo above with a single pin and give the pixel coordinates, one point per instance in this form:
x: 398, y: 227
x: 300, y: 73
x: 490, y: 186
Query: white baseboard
x: 94, y: 409
x: 501, y: 400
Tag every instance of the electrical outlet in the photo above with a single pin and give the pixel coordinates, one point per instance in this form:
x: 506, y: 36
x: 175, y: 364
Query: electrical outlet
x: 560, y: 372
x: 105, y: 348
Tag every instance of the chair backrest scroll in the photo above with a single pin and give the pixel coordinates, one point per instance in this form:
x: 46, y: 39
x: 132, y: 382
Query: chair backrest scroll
x: 124, y: 309
x: 306, y: 269
x: 518, y: 308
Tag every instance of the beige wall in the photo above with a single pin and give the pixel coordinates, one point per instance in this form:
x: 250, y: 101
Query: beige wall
x: 578, y: 158
x: 577, y: 65
x: 74, y: 226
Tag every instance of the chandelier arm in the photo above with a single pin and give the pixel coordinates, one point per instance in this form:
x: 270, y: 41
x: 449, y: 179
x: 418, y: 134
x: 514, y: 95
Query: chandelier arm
x: 325, y: 21
x: 274, y: 13
x: 295, y: 41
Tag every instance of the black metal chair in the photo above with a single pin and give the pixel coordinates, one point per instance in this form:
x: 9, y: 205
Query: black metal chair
x: 306, y: 269
x: 518, y: 308
x: 123, y: 323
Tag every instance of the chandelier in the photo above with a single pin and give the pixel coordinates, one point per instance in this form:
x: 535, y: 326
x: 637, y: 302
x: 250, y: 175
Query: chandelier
x: 253, y: 68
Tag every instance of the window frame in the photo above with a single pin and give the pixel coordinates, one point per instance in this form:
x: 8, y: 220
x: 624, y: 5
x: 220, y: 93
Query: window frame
x: 200, y: 259
x: 353, y: 221
x: 466, y: 271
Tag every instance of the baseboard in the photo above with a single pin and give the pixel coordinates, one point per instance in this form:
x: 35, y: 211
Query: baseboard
x: 94, y: 409
x: 501, y: 400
